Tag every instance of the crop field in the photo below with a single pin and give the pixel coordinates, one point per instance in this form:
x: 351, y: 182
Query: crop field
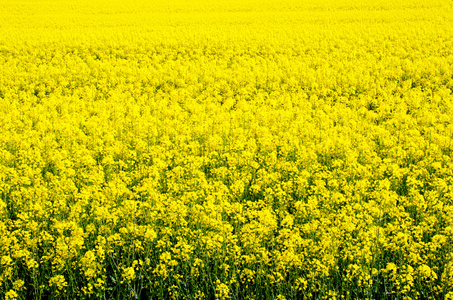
x: 226, y: 149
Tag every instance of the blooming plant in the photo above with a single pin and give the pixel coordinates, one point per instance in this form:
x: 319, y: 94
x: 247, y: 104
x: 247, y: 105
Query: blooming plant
x: 232, y: 150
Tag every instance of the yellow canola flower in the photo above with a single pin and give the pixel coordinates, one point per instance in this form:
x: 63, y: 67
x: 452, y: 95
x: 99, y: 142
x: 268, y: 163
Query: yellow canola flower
x: 129, y: 274
x: 222, y: 290
x: 11, y: 295
x: 59, y: 282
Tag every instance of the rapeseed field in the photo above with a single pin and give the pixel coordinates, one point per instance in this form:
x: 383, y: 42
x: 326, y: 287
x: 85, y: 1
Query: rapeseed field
x: 226, y: 149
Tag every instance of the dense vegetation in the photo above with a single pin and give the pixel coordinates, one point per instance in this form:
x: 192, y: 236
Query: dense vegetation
x: 237, y: 150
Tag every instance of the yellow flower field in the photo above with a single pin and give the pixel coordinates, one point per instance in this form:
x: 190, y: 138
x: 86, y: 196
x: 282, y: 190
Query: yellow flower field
x: 226, y: 149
